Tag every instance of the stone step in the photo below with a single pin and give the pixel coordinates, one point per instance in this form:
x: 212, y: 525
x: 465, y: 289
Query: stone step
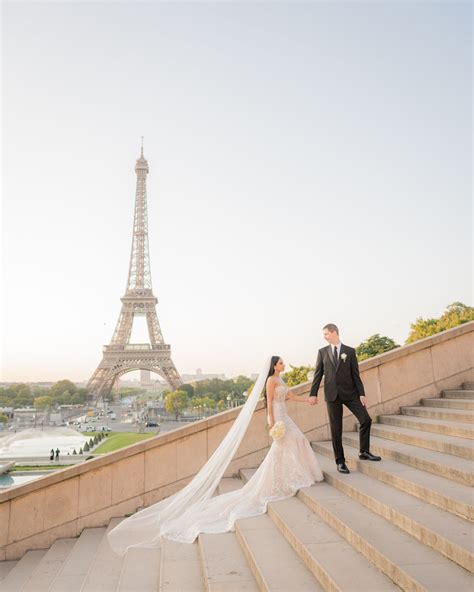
x: 439, y: 463
x: 447, y: 534
x: 75, y: 567
x: 140, y: 570
x: 459, y: 415
x: 410, y: 564
x: 326, y: 568
x: 20, y: 574
x: 180, y: 567
x: 228, y: 484
x: 469, y: 386
x: 458, y: 394
x: 425, y: 424
x: 224, y: 565
x: 449, y: 403
x: 332, y: 560
x: 246, y: 474
x: 461, y: 447
x: 6, y: 566
x: 275, y: 565
x: 442, y: 493
x: 49, y: 566
x: 105, y: 570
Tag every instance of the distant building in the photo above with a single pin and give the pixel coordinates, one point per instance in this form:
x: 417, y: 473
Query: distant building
x: 200, y: 376
x: 145, y: 378
x: 29, y: 416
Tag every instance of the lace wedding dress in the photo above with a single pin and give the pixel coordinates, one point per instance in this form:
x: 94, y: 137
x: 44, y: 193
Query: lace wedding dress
x: 289, y: 465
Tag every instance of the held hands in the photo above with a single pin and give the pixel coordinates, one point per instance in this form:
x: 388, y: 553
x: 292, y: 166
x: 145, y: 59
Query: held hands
x: 313, y: 400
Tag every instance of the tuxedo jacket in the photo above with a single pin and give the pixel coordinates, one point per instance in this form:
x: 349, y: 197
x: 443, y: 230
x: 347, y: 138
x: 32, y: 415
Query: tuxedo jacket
x: 343, y: 380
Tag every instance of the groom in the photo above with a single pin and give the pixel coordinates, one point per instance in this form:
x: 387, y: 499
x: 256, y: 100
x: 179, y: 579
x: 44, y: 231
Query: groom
x: 342, y: 385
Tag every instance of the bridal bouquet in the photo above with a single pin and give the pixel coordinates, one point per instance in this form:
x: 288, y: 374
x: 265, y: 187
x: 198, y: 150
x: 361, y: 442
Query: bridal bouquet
x: 278, y: 430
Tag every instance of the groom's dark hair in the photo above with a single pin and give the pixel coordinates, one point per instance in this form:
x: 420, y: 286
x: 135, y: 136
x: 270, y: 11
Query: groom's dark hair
x: 331, y: 327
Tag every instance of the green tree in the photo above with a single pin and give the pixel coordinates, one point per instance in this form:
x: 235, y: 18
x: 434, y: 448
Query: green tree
x: 187, y: 388
x: 176, y: 402
x: 209, y: 403
x: 221, y: 406
x: 77, y: 398
x: 131, y: 392
x: 19, y: 395
x: 61, y: 387
x: 196, y: 401
x: 3, y: 418
x: 375, y: 345
x: 43, y: 402
x: 22, y: 390
x: 242, y: 384
x: 297, y: 375
x: 455, y: 314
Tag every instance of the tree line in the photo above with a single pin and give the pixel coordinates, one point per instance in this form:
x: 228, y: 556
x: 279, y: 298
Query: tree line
x: 214, y: 395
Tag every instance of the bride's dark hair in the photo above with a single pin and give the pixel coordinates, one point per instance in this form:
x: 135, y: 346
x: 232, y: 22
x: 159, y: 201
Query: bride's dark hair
x: 271, y: 372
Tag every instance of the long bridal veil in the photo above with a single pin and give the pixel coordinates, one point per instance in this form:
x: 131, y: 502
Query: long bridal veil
x: 146, y: 527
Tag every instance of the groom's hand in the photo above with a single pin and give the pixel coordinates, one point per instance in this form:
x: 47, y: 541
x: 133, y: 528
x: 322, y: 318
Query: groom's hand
x: 313, y: 400
x: 363, y: 400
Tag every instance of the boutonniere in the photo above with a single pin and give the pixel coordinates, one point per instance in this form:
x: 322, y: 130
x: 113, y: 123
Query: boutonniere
x: 343, y: 356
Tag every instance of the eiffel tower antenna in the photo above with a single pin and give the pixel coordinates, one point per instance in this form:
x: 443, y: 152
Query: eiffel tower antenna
x: 121, y: 356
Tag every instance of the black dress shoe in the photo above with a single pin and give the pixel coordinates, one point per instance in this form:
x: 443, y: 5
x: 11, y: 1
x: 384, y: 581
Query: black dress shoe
x: 369, y: 456
x: 342, y: 468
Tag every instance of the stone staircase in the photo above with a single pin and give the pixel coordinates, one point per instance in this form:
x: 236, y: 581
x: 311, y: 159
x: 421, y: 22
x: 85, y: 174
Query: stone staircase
x: 402, y: 523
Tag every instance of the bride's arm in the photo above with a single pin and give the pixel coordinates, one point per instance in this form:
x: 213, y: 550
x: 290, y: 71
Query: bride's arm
x: 270, y: 389
x: 298, y: 399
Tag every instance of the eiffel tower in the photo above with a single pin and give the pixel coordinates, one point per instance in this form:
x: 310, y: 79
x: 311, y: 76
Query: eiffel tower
x: 121, y: 356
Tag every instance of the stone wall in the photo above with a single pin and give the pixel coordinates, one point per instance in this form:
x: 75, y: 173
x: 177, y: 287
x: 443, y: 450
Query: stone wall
x: 62, y: 504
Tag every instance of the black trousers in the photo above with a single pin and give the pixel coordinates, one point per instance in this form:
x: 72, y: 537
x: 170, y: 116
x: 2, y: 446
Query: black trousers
x: 335, y: 421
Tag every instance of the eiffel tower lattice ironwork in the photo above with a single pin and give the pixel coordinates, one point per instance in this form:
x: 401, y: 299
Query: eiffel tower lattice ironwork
x: 121, y: 356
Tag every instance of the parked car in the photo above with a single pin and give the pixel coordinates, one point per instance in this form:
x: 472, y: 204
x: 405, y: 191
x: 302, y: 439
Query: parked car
x: 152, y: 424
x: 103, y: 429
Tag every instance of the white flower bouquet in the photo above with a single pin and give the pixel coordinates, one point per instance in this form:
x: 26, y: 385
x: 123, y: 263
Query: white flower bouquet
x: 278, y: 430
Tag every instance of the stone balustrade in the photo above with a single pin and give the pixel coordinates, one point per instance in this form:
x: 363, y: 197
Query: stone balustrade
x: 62, y: 504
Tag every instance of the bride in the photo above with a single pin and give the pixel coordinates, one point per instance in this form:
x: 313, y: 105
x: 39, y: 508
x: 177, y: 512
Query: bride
x: 289, y: 465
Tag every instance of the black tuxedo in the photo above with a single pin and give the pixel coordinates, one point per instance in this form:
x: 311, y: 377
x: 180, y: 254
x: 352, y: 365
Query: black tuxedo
x: 343, y: 380
x: 342, y: 385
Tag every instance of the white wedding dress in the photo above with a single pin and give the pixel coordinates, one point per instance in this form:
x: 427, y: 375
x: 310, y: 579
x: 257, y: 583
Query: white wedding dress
x: 289, y: 465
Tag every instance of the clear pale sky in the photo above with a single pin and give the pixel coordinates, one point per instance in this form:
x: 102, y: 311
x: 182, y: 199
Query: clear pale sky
x: 309, y: 163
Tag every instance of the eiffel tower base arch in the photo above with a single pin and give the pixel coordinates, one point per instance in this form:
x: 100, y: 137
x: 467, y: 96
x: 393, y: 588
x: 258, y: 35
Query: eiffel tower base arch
x: 118, y: 360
